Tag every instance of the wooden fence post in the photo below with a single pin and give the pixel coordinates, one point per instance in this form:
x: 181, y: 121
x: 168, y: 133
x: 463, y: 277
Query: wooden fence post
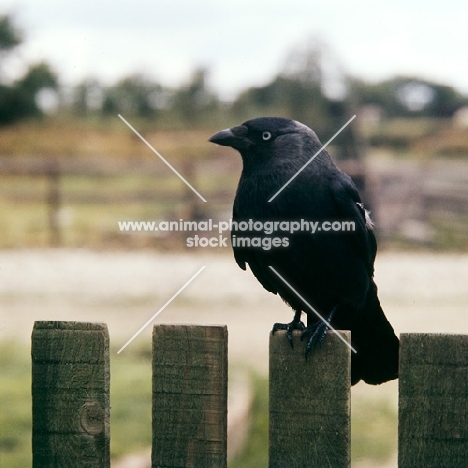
x: 433, y: 404
x: 54, y: 202
x: 189, y: 396
x: 309, y: 403
x: 70, y: 395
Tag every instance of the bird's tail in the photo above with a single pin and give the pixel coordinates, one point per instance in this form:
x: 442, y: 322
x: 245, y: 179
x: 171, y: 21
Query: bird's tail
x: 376, y: 360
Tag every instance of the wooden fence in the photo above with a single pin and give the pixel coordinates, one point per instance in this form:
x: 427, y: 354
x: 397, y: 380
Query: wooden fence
x: 423, y: 202
x: 309, y: 423
x: 55, y: 196
x: 56, y: 192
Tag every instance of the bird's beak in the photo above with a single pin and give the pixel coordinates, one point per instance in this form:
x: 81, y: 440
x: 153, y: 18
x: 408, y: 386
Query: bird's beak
x: 236, y: 137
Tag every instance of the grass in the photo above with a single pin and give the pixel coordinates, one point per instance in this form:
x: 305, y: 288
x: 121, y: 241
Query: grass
x: 67, y: 137
x: 255, y: 454
x: 15, y: 405
x: 450, y: 233
x: 130, y: 400
x: 373, y: 431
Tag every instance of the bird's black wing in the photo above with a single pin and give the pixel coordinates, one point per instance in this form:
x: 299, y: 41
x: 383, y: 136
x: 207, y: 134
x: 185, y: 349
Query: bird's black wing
x: 239, y: 254
x: 349, y: 205
x: 327, y: 267
x: 254, y: 260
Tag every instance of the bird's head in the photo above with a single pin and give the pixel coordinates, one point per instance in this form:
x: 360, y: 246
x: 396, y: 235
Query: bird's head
x: 263, y: 139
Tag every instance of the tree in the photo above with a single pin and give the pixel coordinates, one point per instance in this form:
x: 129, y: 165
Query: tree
x: 10, y: 37
x: 18, y: 101
x: 134, y: 95
x: 408, y: 96
x: 87, y: 97
x: 193, y: 101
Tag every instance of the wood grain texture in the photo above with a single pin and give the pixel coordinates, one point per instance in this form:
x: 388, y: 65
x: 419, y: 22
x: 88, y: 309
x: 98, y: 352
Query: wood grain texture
x: 433, y: 404
x: 309, y: 403
x: 189, y: 396
x: 70, y: 395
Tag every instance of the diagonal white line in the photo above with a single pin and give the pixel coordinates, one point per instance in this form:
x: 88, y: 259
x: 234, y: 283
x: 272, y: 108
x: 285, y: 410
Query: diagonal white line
x: 312, y: 309
x: 158, y: 154
x: 161, y: 309
x: 311, y: 159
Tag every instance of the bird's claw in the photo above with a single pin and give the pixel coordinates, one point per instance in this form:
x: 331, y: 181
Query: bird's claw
x: 289, y: 327
x: 315, y: 335
x: 317, y: 332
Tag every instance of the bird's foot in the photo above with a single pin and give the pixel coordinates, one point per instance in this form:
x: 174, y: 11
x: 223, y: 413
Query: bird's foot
x: 315, y: 335
x: 296, y: 324
x: 316, y: 332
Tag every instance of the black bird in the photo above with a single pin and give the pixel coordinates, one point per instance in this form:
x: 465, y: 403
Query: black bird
x: 332, y: 271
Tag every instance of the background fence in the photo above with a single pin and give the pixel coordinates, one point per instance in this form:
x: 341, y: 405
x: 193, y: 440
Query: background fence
x: 82, y: 198
x: 309, y: 421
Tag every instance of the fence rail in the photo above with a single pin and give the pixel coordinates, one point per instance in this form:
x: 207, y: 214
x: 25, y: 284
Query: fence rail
x: 58, y: 189
x: 309, y: 399
x: 415, y: 201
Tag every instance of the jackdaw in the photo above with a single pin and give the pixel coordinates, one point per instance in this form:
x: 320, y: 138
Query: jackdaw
x: 331, y: 271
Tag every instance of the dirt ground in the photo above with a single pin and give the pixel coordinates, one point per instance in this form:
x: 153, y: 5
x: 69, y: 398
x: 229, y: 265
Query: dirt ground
x: 420, y: 292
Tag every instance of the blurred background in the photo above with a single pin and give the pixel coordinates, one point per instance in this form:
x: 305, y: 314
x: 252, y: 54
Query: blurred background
x: 70, y: 170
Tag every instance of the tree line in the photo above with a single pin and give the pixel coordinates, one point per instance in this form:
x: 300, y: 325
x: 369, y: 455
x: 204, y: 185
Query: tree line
x: 299, y: 91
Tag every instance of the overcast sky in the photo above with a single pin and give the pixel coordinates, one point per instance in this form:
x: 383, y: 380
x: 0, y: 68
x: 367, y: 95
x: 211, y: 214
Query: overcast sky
x: 242, y: 42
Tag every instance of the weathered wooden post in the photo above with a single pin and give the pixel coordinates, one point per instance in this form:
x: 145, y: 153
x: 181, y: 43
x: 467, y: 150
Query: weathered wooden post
x: 189, y: 396
x: 70, y: 395
x: 54, y: 202
x: 433, y: 404
x: 310, y: 403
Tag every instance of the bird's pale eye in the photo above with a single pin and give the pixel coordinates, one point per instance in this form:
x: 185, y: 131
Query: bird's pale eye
x: 266, y: 136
